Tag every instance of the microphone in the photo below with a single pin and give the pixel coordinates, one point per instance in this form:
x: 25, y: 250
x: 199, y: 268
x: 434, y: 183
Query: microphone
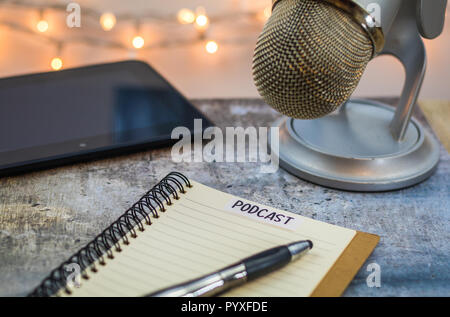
x: 311, y: 54
x: 307, y: 63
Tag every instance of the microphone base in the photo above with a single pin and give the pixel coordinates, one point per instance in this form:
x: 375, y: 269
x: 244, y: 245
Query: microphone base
x: 353, y: 149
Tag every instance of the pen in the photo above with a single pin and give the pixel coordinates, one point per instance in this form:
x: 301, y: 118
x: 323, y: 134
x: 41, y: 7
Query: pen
x: 239, y: 273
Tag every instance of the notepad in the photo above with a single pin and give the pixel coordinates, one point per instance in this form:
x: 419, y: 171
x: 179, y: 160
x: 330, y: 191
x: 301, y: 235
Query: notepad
x: 205, y: 230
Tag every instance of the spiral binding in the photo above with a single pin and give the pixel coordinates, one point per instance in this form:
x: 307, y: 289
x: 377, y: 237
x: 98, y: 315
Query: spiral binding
x: 102, y: 245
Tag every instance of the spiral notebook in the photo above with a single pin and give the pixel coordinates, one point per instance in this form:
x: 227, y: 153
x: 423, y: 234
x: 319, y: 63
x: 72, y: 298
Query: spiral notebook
x: 181, y: 229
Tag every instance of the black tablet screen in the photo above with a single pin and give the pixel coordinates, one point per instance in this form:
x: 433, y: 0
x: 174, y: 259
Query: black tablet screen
x: 87, y: 109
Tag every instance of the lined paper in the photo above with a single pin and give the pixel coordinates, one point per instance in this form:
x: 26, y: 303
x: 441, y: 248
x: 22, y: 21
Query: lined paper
x: 197, y: 235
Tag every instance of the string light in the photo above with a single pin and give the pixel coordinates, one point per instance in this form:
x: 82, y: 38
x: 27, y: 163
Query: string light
x: 201, y: 21
x: 138, y: 42
x: 267, y: 12
x: 56, y: 63
x: 186, y: 16
x: 42, y: 25
x: 108, y: 21
x: 211, y: 47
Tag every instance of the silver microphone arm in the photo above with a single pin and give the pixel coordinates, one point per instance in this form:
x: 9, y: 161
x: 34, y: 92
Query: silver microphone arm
x: 403, y: 22
x: 415, y: 18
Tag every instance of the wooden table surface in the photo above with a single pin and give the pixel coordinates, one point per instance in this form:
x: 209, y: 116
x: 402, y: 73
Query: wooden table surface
x: 48, y: 215
x: 438, y: 116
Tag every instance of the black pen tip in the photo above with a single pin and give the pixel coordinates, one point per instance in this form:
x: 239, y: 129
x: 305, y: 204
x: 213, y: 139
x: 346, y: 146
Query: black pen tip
x: 310, y: 243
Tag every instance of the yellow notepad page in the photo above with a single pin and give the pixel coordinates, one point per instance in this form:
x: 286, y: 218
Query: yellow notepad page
x: 206, y: 230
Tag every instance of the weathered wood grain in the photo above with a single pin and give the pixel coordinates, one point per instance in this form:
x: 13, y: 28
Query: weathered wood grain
x: 437, y: 113
x: 46, y: 216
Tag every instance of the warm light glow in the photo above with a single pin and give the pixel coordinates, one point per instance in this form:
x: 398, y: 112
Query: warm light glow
x: 186, y: 16
x: 107, y: 21
x: 56, y: 63
x: 201, y: 22
x: 211, y: 47
x: 200, y: 11
x: 42, y: 26
x: 267, y: 12
x: 138, y: 42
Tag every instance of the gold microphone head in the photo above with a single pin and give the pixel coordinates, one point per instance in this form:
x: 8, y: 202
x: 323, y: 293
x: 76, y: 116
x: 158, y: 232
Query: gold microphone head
x: 309, y: 58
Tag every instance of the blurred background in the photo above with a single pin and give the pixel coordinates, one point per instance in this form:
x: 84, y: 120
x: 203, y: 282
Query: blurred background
x: 203, y: 47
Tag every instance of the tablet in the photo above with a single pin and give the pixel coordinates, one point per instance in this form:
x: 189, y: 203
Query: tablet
x: 83, y: 113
